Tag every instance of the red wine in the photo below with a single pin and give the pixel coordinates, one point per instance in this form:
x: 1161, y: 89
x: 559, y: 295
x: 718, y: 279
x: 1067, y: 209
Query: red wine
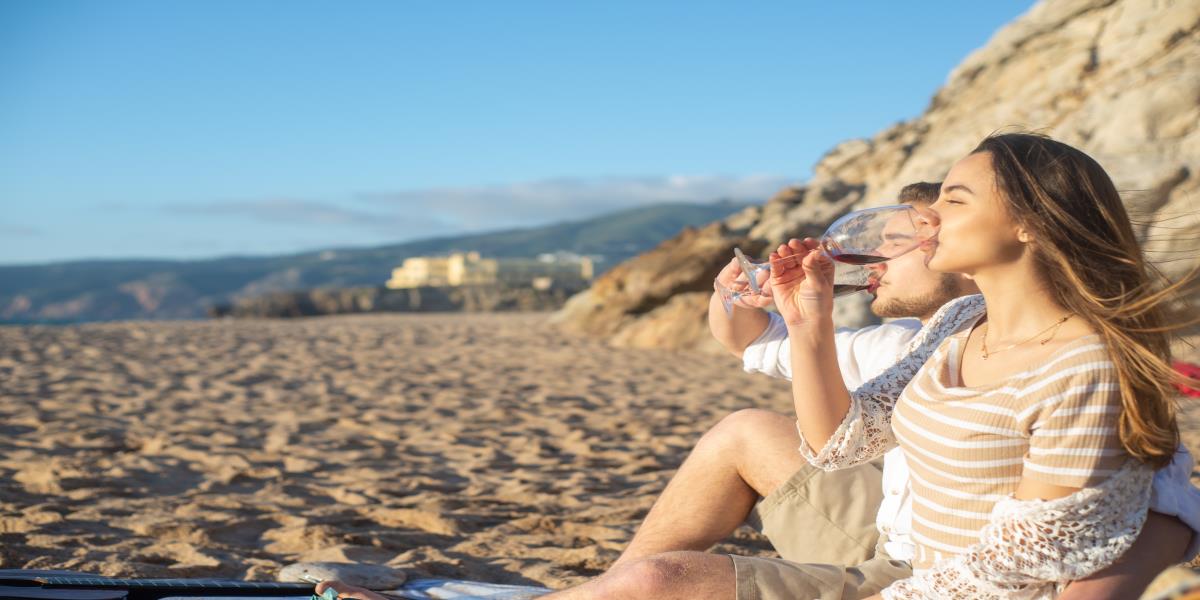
x: 847, y: 288
x: 858, y: 259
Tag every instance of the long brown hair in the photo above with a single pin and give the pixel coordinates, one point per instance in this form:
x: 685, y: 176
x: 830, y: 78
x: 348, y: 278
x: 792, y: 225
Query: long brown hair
x: 1091, y: 261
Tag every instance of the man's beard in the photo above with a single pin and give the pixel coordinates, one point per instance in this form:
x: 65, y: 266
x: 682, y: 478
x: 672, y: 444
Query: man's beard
x: 922, y: 306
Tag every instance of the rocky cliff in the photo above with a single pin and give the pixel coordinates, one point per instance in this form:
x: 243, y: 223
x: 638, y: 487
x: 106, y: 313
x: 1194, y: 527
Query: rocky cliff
x: 1119, y: 79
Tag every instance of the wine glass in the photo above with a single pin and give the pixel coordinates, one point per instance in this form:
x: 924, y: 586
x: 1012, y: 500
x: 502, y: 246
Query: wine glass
x: 731, y: 295
x: 750, y: 282
x: 854, y: 241
x: 846, y: 279
x: 874, y: 235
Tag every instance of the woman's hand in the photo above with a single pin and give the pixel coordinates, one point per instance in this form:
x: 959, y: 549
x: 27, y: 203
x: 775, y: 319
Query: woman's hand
x: 801, y: 282
x: 345, y: 590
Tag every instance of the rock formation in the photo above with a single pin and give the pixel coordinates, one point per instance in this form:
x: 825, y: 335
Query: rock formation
x: 1119, y: 79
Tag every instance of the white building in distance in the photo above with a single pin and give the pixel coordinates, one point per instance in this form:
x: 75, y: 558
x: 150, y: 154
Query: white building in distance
x: 470, y: 269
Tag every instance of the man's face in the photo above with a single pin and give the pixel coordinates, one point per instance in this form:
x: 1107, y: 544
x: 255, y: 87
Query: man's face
x: 904, y: 286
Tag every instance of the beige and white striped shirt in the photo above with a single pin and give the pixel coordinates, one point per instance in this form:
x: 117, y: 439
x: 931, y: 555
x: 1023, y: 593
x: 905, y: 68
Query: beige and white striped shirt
x: 969, y: 447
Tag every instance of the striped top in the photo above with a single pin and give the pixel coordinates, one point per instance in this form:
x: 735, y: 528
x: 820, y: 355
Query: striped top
x: 969, y: 447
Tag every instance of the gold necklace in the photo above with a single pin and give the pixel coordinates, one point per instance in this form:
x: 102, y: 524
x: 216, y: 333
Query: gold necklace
x: 1055, y: 327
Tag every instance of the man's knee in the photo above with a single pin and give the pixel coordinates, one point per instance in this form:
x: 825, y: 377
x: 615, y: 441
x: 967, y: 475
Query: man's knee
x: 731, y: 433
x: 663, y: 575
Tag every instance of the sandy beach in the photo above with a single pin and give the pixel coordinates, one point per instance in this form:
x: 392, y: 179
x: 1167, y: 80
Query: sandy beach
x: 474, y: 446
x: 486, y: 447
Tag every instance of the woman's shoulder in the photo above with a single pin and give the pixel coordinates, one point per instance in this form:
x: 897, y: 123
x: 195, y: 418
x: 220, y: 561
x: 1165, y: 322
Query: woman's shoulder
x: 1078, y: 366
x: 1084, y: 353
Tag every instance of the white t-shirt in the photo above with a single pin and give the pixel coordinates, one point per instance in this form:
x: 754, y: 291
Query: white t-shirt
x: 865, y: 353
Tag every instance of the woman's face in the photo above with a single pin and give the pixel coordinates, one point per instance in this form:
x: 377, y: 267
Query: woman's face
x: 975, y: 229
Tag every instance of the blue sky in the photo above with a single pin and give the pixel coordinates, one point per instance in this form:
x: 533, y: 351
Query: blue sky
x: 193, y: 129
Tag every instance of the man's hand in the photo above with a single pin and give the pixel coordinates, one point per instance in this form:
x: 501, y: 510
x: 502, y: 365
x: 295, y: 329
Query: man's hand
x: 801, y: 282
x: 733, y: 278
x: 737, y: 328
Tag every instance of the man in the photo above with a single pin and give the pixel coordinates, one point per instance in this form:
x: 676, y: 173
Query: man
x: 819, y: 522
x: 752, y: 453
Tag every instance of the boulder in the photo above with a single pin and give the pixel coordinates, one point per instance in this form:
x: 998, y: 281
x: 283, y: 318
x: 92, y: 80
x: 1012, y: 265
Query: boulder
x: 1120, y: 79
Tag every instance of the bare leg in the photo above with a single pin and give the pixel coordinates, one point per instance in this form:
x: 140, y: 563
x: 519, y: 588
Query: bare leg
x: 748, y: 454
x: 670, y: 576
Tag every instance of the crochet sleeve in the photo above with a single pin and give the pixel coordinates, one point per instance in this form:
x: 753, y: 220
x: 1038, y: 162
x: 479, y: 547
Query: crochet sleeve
x: 1031, y: 549
x: 866, y: 430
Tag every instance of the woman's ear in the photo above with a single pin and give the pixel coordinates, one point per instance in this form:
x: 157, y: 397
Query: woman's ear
x: 1024, y: 236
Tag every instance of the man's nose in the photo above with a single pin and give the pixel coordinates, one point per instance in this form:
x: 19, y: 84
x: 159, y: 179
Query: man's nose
x: 878, y: 268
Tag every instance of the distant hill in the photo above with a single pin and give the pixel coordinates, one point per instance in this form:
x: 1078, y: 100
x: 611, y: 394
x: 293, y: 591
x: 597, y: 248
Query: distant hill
x: 169, y: 289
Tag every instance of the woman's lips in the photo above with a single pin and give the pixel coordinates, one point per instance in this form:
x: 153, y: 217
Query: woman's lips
x: 929, y: 248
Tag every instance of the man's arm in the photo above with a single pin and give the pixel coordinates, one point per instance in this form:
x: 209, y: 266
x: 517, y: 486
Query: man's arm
x: 1160, y: 544
x: 735, y: 330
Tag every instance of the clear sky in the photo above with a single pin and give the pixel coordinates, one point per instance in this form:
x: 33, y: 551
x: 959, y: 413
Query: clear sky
x: 207, y: 128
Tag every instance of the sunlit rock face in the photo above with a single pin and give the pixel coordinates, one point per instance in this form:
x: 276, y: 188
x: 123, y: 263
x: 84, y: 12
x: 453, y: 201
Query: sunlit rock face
x: 1118, y: 79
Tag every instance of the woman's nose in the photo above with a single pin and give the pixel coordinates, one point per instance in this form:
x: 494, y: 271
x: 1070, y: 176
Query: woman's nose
x: 927, y: 222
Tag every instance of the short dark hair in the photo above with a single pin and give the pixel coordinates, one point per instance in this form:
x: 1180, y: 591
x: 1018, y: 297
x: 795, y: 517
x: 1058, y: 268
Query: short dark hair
x: 921, y: 192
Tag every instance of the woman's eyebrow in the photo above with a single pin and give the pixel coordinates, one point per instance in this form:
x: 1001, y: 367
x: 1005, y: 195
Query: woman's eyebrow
x: 958, y: 186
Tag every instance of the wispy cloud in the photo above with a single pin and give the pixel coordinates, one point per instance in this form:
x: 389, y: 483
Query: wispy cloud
x: 550, y: 200
x: 409, y: 214
x: 281, y: 211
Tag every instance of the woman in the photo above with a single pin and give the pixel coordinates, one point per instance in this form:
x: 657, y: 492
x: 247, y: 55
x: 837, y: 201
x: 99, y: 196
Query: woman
x: 1034, y: 427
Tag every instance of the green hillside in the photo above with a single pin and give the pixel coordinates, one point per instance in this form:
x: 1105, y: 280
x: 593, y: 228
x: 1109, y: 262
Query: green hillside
x: 155, y: 289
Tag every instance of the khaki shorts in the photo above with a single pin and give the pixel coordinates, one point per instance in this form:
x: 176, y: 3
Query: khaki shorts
x: 823, y: 526
x: 778, y: 579
x: 823, y: 517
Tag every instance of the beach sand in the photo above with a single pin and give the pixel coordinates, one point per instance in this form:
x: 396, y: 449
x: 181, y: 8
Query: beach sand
x: 473, y: 446
x: 486, y: 447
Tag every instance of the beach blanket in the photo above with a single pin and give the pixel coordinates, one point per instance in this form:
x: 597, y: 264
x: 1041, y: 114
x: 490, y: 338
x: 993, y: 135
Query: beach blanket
x: 452, y: 589
x: 20, y: 584
x: 27, y: 584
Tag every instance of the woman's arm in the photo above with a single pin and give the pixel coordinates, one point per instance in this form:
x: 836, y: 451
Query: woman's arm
x: 802, y: 284
x: 839, y: 429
